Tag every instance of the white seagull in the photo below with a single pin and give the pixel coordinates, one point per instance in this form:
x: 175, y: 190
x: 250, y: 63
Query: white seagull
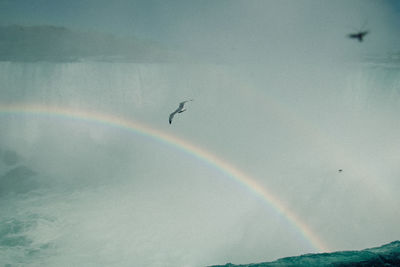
x: 180, y: 109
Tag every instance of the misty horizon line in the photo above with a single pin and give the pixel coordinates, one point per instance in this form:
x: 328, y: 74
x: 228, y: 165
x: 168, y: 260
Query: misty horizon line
x: 57, y: 43
x: 53, y: 43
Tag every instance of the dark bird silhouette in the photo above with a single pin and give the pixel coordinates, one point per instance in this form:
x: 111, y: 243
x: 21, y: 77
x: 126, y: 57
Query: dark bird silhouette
x: 180, y: 109
x: 340, y: 170
x: 358, y: 35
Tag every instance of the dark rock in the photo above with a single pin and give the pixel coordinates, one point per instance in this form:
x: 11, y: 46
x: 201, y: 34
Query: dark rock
x: 386, y: 255
x: 17, y: 180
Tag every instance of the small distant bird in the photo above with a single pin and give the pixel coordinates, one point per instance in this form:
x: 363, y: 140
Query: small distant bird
x: 180, y: 109
x: 340, y: 170
x: 358, y: 35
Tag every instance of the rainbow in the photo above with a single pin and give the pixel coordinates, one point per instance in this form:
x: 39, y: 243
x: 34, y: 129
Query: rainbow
x: 199, y: 153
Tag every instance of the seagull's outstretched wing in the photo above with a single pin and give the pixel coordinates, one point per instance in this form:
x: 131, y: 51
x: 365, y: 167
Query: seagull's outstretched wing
x: 364, y: 33
x: 171, y: 116
x: 183, y: 103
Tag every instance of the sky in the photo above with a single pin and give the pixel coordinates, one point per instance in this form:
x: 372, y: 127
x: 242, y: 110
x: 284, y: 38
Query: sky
x: 249, y: 173
x: 229, y: 27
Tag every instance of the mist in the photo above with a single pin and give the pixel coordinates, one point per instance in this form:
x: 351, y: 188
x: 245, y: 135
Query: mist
x: 279, y: 92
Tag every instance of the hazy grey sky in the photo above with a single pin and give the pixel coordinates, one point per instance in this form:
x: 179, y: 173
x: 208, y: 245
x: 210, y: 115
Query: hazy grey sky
x: 300, y: 102
x: 226, y: 29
